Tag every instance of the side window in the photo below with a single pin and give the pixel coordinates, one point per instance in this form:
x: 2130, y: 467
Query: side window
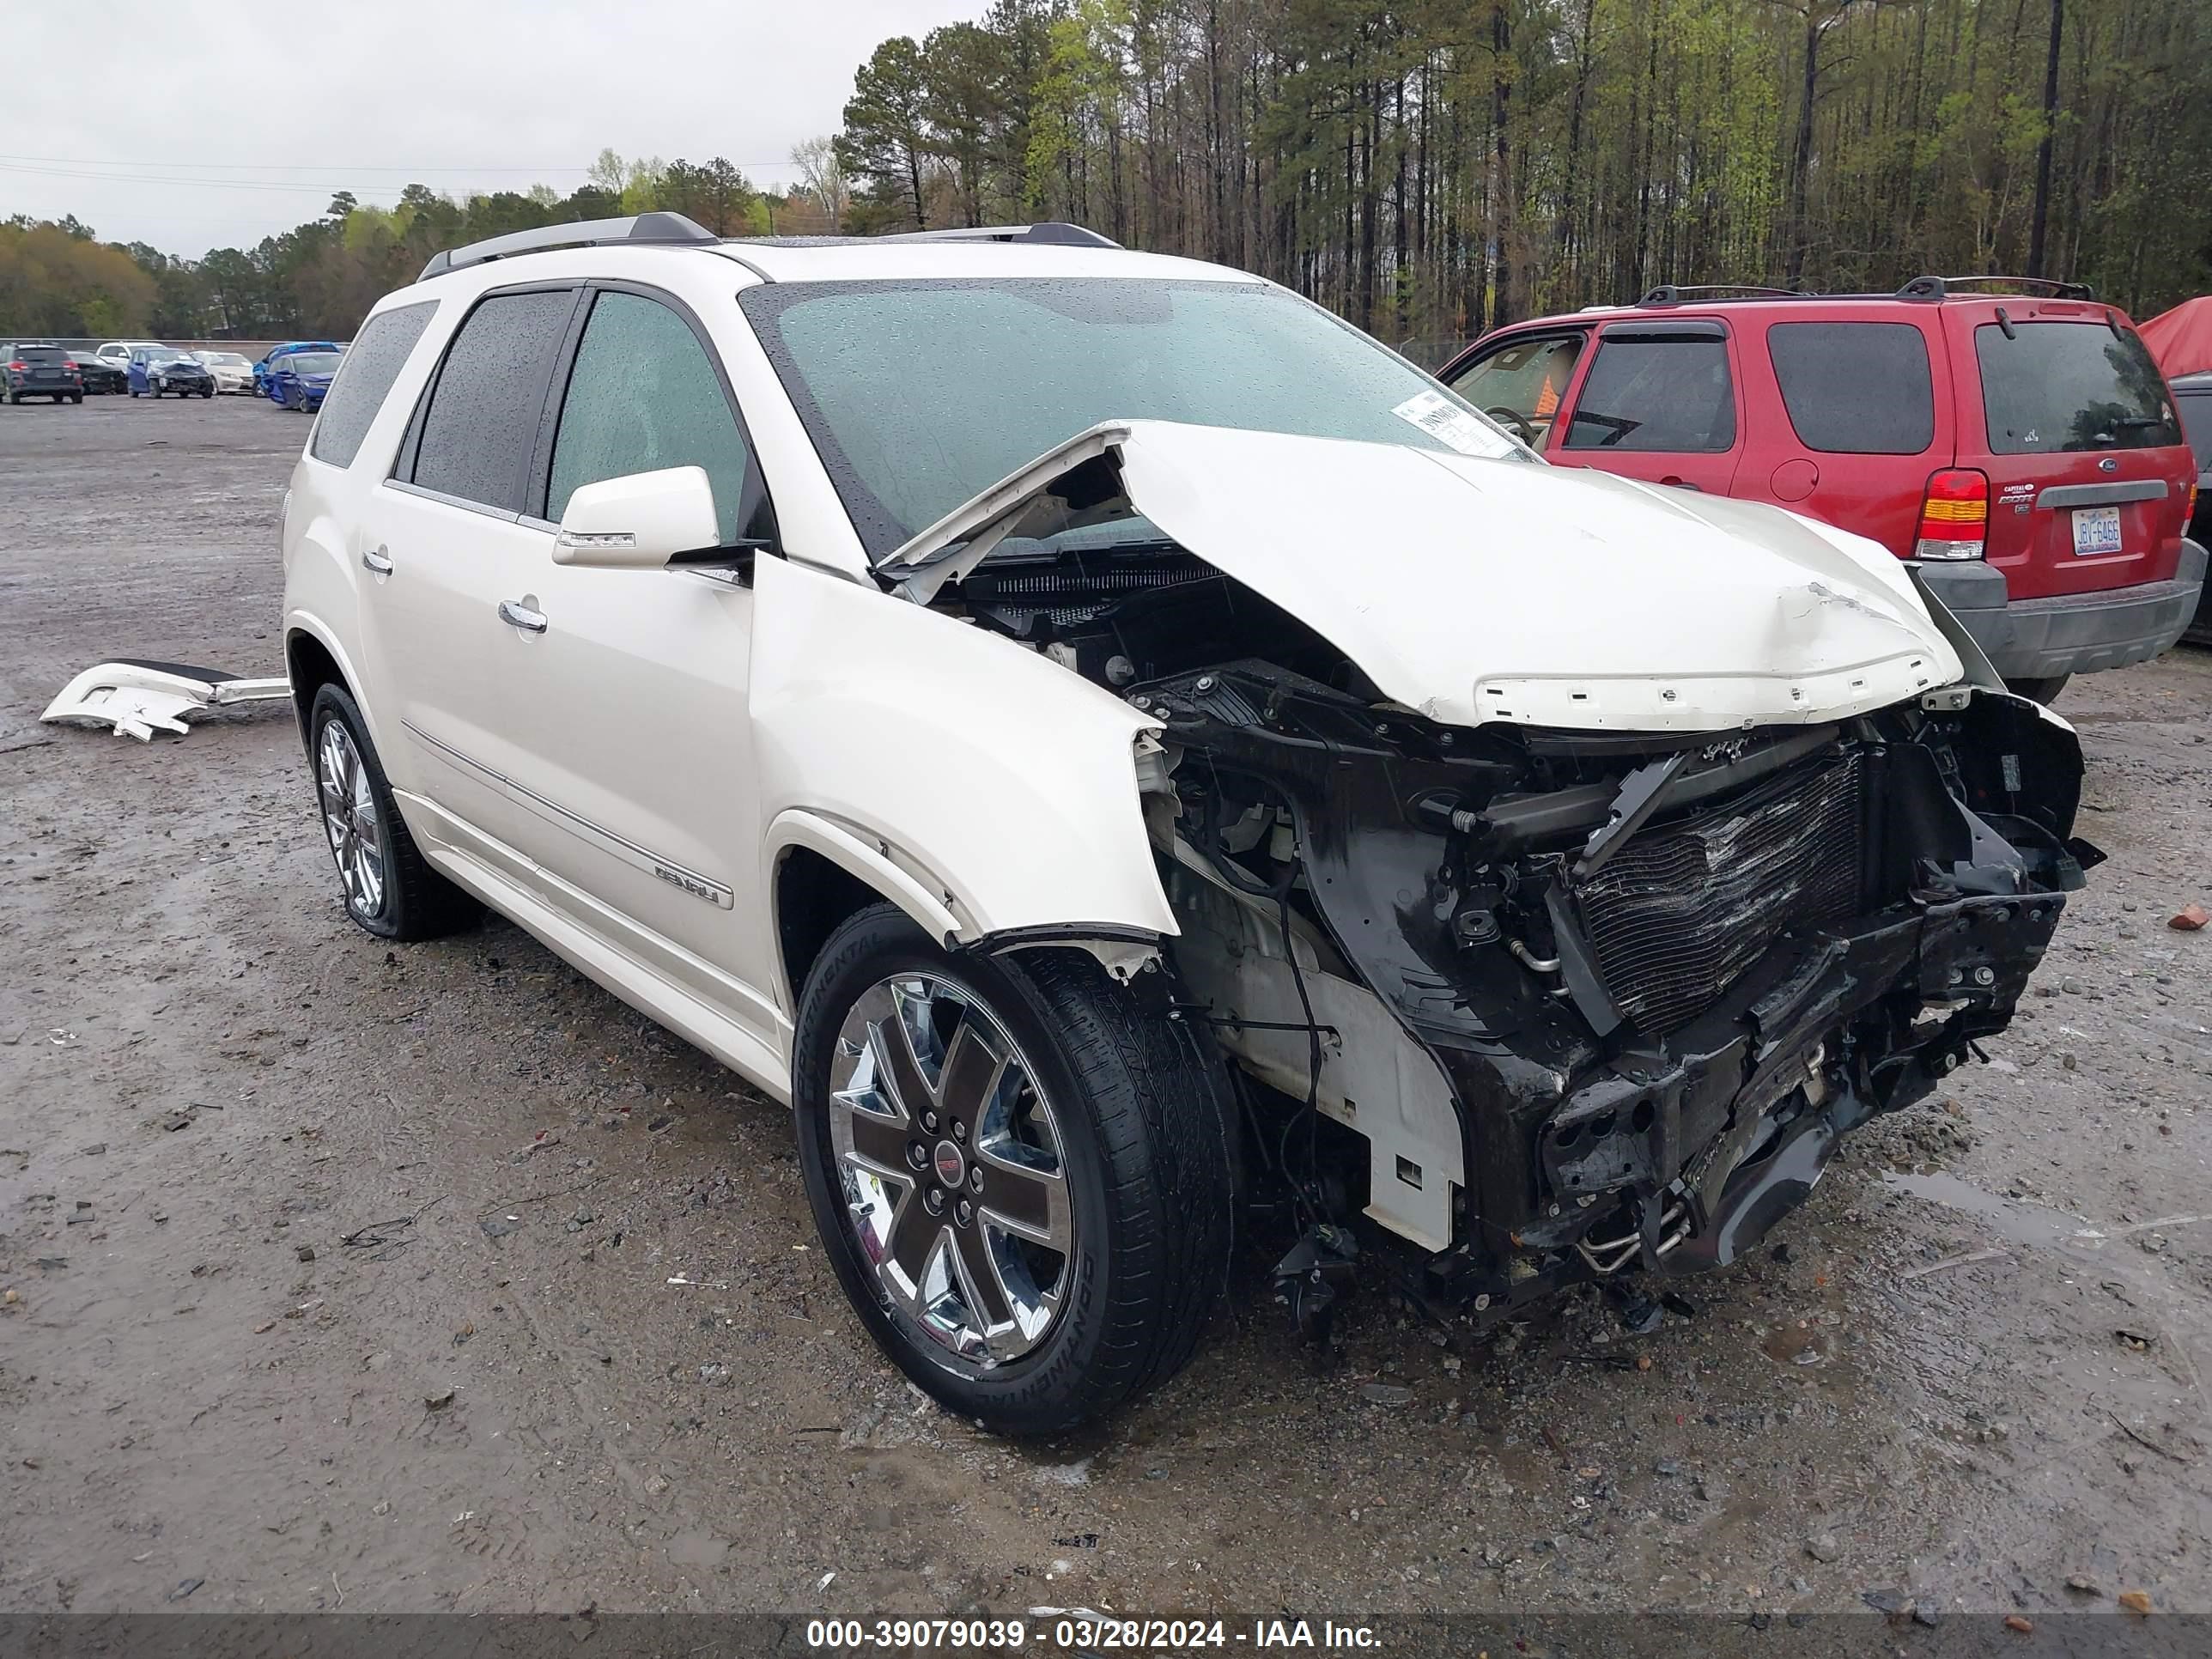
x: 365, y: 380
x: 1855, y: 388
x: 2196, y: 411
x: 1525, y: 379
x: 1657, y: 388
x: 644, y: 395
x: 481, y: 422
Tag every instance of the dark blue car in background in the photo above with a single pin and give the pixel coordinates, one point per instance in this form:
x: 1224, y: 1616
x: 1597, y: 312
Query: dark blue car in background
x: 297, y: 379
x: 157, y: 371
x: 261, y: 369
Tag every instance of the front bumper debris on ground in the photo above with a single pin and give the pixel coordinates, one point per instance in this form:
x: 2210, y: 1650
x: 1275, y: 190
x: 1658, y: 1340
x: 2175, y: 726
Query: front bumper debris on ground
x: 136, y: 699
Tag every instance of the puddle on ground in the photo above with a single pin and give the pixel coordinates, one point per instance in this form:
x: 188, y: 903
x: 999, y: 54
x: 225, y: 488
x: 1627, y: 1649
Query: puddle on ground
x: 697, y: 1549
x: 2021, y: 1222
x: 1800, y: 1344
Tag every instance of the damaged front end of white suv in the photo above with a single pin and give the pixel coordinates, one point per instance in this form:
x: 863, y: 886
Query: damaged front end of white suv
x: 1597, y: 855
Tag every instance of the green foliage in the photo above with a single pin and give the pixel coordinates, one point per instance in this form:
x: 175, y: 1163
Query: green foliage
x: 887, y: 142
x: 1434, y: 166
x: 319, y: 279
x: 57, y: 281
x: 1426, y: 167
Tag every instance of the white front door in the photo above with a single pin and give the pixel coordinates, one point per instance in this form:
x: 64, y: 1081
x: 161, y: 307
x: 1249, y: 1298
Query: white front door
x: 632, y: 769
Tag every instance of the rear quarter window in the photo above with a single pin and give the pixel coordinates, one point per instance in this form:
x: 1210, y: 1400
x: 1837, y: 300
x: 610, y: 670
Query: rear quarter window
x: 2053, y: 387
x: 1855, y: 388
x: 365, y: 380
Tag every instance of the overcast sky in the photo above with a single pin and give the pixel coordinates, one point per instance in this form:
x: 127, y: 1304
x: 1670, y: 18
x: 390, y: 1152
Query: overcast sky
x: 200, y: 124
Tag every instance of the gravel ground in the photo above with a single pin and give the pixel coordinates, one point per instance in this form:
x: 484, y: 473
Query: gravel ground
x: 433, y: 1278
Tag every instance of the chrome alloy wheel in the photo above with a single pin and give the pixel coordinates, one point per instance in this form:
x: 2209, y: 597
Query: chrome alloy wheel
x: 349, y: 819
x: 951, y: 1168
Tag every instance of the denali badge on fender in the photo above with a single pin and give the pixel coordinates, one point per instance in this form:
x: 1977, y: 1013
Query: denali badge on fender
x: 689, y: 883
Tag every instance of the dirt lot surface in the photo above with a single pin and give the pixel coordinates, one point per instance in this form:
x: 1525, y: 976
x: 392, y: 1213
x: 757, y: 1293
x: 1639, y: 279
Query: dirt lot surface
x: 434, y: 1277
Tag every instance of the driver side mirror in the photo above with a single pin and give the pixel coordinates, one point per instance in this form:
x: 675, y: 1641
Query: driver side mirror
x: 640, y: 521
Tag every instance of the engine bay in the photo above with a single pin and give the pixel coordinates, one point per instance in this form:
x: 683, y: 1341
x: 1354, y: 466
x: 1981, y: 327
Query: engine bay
x: 1594, y: 1000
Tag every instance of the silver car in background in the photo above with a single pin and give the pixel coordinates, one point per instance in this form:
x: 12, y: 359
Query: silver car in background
x: 232, y: 374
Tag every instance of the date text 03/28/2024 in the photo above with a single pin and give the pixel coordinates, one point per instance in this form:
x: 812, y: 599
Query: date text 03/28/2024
x: 1085, y: 1632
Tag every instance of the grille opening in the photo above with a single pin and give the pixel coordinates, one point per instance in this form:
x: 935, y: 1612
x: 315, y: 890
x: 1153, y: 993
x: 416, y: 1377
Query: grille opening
x: 1683, y: 908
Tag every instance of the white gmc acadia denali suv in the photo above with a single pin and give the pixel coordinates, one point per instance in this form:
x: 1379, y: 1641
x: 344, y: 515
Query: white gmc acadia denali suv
x: 1121, y: 752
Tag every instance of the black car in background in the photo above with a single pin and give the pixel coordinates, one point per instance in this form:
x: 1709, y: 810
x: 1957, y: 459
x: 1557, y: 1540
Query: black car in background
x: 100, y: 376
x: 33, y: 370
x: 2192, y: 397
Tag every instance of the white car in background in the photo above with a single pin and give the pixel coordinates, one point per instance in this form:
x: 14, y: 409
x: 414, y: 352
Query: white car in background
x: 232, y: 374
x: 1101, y: 738
x: 117, y: 352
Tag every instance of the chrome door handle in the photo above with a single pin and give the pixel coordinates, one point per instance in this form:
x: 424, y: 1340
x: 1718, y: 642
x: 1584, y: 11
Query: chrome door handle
x: 522, y: 616
x: 378, y: 560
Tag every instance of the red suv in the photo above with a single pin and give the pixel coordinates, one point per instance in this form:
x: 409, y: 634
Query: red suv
x: 2022, y: 448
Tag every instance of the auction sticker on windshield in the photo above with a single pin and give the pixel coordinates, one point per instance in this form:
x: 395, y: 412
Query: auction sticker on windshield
x: 1448, y: 423
x: 2096, y: 530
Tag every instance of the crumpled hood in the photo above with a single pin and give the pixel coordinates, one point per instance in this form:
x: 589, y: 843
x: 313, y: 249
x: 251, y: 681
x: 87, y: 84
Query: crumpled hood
x: 1474, y: 589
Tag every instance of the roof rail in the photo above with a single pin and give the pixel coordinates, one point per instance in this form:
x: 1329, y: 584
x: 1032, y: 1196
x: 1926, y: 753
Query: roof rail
x: 1673, y: 294
x: 652, y: 227
x: 1051, y: 231
x: 1934, y: 288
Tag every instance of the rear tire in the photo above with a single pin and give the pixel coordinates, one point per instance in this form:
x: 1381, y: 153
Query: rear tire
x: 389, y: 889
x: 1134, y: 1121
x: 2042, y: 690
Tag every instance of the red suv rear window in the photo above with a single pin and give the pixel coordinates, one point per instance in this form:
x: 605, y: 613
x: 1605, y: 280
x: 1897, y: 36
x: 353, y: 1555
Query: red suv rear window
x: 1855, y: 388
x: 2054, y: 386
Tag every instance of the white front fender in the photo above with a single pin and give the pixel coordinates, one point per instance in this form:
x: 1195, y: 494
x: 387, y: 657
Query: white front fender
x: 1000, y: 786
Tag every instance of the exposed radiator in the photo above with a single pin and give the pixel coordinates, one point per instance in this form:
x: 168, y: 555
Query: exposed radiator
x: 1683, y: 908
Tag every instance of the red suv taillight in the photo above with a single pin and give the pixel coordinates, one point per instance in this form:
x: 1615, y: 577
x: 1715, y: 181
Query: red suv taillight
x: 1954, y: 515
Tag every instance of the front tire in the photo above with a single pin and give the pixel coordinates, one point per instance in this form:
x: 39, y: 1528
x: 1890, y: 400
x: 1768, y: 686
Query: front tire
x: 2042, y: 690
x: 1021, y: 1177
x: 389, y: 889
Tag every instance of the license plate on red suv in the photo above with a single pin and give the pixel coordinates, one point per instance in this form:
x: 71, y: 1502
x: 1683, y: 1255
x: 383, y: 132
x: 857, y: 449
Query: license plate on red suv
x: 2096, y: 530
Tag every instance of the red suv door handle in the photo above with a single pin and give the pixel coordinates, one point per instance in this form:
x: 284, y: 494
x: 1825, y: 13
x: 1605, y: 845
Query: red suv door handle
x: 1673, y: 483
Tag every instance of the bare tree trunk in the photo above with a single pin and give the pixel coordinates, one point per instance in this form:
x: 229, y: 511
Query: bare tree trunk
x: 1651, y: 106
x: 1501, y: 88
x: 1569, y: 248
x: 1801, y: 158
x: 2041, y: 223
